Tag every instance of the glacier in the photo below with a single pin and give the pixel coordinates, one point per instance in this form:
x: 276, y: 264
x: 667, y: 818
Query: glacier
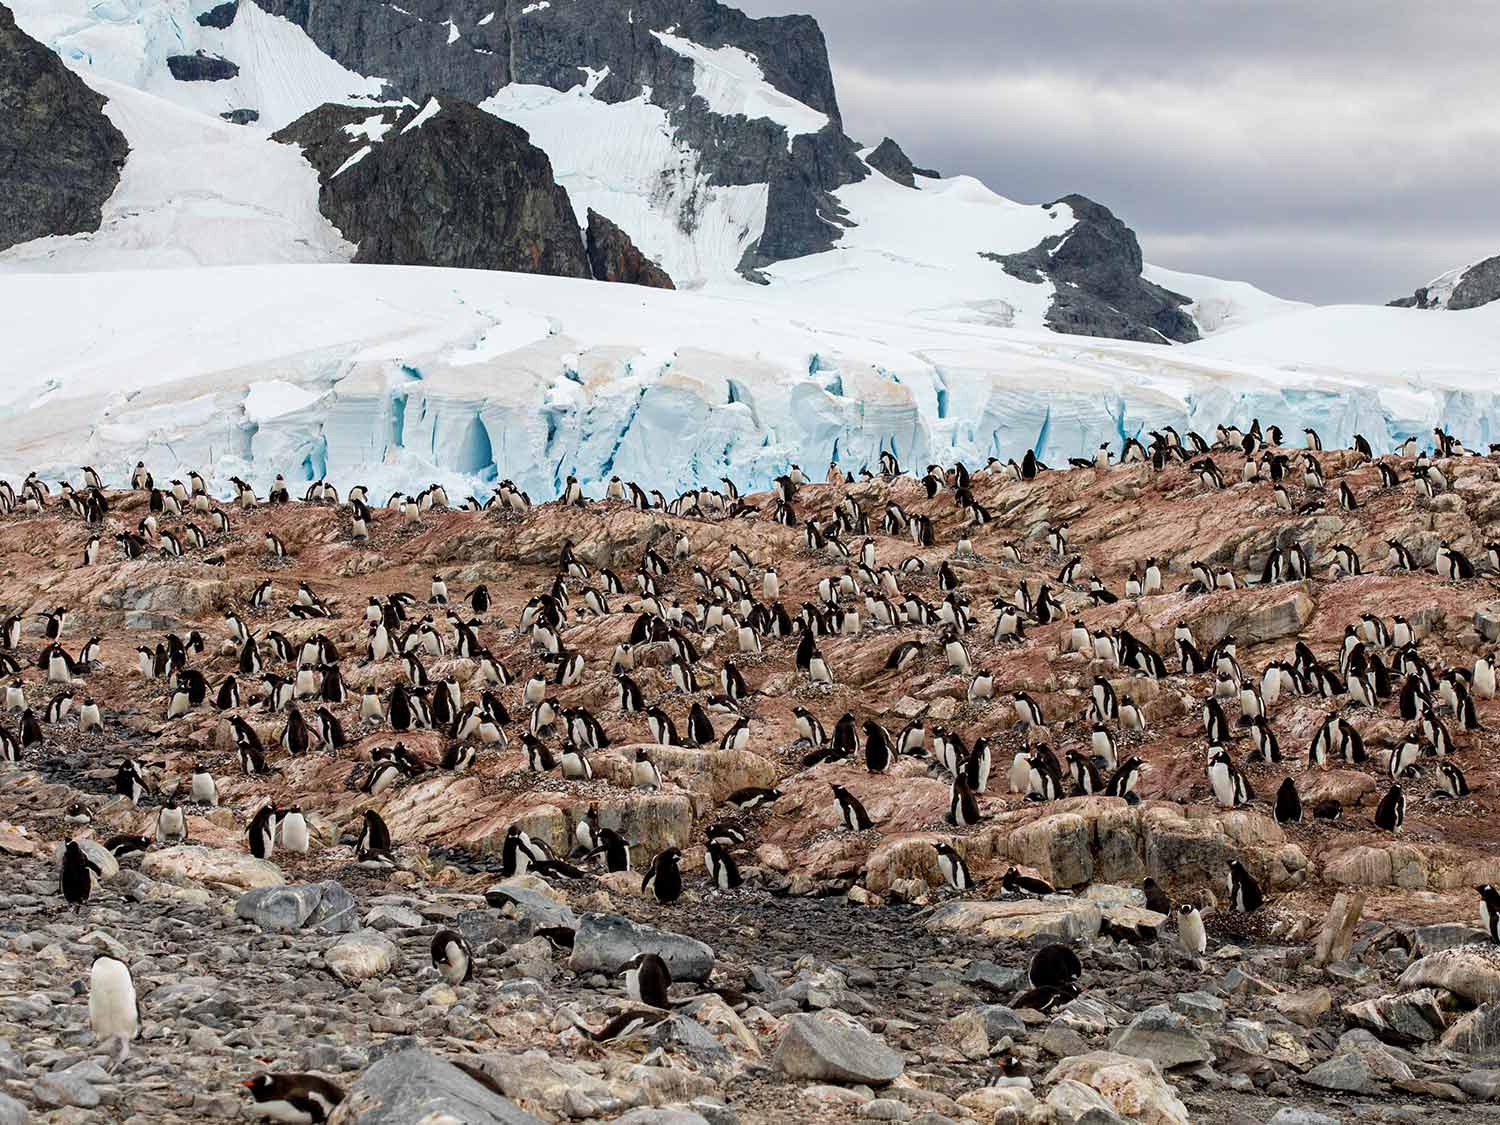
x: 401, y: 376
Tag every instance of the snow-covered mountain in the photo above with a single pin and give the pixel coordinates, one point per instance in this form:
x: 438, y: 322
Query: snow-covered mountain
x: 216, y: 317
x: 712, y: 140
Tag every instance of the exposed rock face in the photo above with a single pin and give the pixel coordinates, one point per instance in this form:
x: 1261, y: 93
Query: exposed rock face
x: 201, y: 67
x: 241, y: 116
x: 1479, y: 285
x: 220, y: 15
x: 614, y: 257
x: 1096, y: 267
x: 409, y: 46
x: 60, y: 157
x: 890, y: 160
x: 451, y: 186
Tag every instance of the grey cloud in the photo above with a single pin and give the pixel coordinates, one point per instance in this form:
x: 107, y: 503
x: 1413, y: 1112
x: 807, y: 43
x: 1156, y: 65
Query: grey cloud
x: 1332, y: 151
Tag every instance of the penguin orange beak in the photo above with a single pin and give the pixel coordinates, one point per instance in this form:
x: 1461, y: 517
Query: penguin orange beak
x: 248, y: 1083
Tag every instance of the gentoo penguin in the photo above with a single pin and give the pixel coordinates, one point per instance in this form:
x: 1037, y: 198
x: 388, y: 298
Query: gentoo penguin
x: 1028, y: 714
x: 1244, y: 892
x: 204, y: 791
x: 643, y: 771
x: 955, y: 870
x: 1391, y: 811
x: 1191, y: 935
x: 114, y: 1009
x: 878, y: 749
x: 261, y: 832
x: 1230, y: 786
x: 373, y: 846
x: 1489, y: 911
x: 575, y: 764
x: 451, y: 957
x: 963, y: 807
x: 1288, y: 803
x: 171, y: 824
x: 851, y: 814
x: 723, y: 871
x: 1054, y: 966
x: 130, y: 783
x: 294, y: 834
x: 296, y: 1099
x: 751, y: 797
x: 121, y: 846
x: 616, y: 849
x: 647, y: 979
x: 663, y: 878
x: 1021, y: 884
x: 1156, y: 898
x: 1450, y: 781
x: 78, y: 872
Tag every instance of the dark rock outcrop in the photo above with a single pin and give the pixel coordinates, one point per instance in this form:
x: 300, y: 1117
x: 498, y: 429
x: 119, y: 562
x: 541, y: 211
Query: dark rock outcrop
x: 893, y: 163
x: 614, y: 257
x: 201, y: 67
x: 1096, y: 266
x: 927, y: 173
x: 408, y: 45
x: 461, y: 188
x: 1479, y: 285
x: 241, y: 116
x: 221, y: 15
x: 1418, y: 300
x: 60, y: 156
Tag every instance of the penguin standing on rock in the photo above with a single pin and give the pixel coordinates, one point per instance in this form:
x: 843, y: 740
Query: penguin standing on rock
x: 1288, y: 803
x: 663, y: 878
x: 262, y: 832
x: 451, y: 957
x: 1054, y: 966
x: 647, y: 980
x: 1191, y: 935
x: 1244, y: 892
x: 1489, y: 911
x: 171, y: 824
x: 114, y: 1008
x: 78, y: 873
x: 1391, y: 812
x: 850, y: 812
x: 955, y: 870
x: 723, y: 871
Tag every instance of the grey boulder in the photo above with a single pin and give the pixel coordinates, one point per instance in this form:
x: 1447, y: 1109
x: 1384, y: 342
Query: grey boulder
x: 325, y: 906
x: 605, y: 942
x: 832, y: 1047
x: 415, y: 1085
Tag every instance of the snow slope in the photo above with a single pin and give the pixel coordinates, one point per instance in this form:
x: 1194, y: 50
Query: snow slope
x: 732, y: 83
x: 194, y: 191
x: 282, y: 74
x: 623, y: 161
x: 1217, y: 304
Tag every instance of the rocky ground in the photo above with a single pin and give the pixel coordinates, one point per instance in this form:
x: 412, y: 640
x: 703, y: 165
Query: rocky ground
x: 854, y: 984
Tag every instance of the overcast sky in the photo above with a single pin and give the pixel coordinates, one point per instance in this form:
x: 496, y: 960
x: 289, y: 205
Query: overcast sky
x: 1327, y: 150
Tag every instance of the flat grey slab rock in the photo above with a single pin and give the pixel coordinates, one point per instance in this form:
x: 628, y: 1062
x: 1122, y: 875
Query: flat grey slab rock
x: 416, y: 1085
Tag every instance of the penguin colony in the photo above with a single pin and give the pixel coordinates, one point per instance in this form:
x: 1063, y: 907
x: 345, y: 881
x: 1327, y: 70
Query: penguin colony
x: 719, y: 629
